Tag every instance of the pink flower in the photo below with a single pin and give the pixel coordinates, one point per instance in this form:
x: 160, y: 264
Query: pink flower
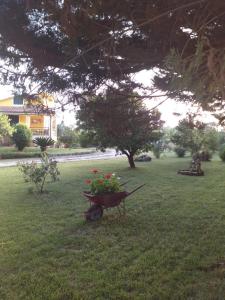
x: 95, y: 171
x: 88, y: 181
x: 108, y: 176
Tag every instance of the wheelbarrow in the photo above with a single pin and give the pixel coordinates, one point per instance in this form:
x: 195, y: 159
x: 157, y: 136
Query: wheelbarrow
x: 108, y: 200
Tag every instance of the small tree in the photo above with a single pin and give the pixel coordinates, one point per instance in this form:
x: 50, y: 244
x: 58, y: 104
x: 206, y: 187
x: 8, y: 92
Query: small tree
x: 222, y: 152
x: 180, y: 152
x: 157, y: 148
x: 5, y: 127
x: 21, y: 136
x: 189, y: 134
x: 87, y: 139
x: 120, y: 121
x: 211, y: 140
x: 38, y: 173
x: 67, y: 135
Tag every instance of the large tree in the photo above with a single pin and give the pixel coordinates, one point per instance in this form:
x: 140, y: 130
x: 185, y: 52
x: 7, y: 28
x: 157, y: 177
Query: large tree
x: 120, y: 121
x: 75, y: 45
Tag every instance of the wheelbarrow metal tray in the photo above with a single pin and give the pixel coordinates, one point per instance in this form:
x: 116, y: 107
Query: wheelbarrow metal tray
x: 108, y: 199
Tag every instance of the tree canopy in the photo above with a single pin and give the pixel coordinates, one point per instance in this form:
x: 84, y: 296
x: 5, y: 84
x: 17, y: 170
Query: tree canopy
x: 75, y: 45
x: 121, y: 122
x: 194, y: 135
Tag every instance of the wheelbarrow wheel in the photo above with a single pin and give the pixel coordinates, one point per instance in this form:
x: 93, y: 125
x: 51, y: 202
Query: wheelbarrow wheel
x: 94, y: 213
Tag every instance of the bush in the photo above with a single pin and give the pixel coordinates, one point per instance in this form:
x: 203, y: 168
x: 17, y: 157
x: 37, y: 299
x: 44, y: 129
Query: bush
x: 202, y: 156
x: 67, y: 140
x: 37, y: 173
x: 21, y: 136
x: 157, y: 149
x: 222, y: 152
x: 87, y: 139
x: 180, y: 152
x: 205, y: 155
x: 43, y: 142
x: 5, y: 127
x: 67, y: 136
x: 11, y: 155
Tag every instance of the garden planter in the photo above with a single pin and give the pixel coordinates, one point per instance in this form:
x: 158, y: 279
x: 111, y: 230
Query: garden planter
x: 100, y: 202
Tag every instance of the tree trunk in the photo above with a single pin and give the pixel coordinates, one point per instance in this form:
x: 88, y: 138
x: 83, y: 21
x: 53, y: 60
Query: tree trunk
x: 131, y: 161
x: 130, y: 157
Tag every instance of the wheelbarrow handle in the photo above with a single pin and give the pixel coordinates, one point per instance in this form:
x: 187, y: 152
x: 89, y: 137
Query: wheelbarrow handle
x: 88, y: 195
x: 122, y: 184
x: 139, y: 187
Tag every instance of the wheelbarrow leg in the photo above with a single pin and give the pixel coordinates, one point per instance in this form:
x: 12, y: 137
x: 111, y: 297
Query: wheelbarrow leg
x: 118, y: 207
x: 123, y: 207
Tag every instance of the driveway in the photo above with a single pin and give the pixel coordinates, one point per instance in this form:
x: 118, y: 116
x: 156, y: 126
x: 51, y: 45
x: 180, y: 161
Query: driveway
x: 109, y: 154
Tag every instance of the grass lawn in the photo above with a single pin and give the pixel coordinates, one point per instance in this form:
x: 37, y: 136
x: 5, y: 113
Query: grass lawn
x: 12, y: 152
x: 171, y: 244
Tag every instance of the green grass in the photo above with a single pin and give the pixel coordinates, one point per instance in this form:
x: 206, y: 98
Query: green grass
x: 12, y: 152
x: 170, y: 245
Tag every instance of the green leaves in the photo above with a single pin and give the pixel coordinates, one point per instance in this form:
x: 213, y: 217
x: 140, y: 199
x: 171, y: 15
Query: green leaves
x: 37, y: 173
x: 21, y: 136
x: 120, y: 120
x: 43, y: 142
x: 104, y: 183
x: 5, y: 127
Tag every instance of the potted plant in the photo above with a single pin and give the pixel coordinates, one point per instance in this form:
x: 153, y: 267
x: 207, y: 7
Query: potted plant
x: 103, y: 184
x: 105, y: 191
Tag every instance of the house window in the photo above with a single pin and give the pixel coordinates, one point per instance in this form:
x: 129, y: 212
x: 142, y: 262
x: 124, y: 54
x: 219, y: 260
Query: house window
x: 18, y: 100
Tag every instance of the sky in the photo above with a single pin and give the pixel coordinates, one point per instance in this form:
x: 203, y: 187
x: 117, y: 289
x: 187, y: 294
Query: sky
x: 167, y: 109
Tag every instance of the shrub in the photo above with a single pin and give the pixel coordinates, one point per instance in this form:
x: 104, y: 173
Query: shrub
x: 222, y: 152
x: 21, y: 136
x: 205, y: 155
x: 87, y: 139
x: 67, y: 140
x: 67, y: 136
x: 5, y: 127
x: 157, y: 149
x: 180, y: 152
x: 202, y: 156
x: 43, y: 142
x: 38, y: 173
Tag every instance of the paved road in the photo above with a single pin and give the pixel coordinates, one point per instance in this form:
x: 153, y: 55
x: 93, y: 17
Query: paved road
x: 109, y: 154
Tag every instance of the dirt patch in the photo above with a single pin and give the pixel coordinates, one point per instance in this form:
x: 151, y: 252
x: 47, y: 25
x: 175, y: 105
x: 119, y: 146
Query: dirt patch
x: 213, y: 267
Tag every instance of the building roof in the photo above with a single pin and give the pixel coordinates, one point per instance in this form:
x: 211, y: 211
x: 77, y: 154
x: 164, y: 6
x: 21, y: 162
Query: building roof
x: 24, y: 110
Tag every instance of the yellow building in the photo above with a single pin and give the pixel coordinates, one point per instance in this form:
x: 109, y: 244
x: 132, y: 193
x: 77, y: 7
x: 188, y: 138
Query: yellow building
x: 39, y: 116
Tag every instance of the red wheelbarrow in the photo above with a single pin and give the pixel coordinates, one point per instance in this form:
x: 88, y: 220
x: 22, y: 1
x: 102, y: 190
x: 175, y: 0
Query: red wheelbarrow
x: 100, y: 202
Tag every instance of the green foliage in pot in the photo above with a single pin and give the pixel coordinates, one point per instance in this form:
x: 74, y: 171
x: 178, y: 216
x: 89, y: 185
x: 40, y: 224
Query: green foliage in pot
x: 103, y: 183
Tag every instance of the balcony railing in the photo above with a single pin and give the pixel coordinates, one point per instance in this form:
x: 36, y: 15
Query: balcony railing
x: 44, y: 131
